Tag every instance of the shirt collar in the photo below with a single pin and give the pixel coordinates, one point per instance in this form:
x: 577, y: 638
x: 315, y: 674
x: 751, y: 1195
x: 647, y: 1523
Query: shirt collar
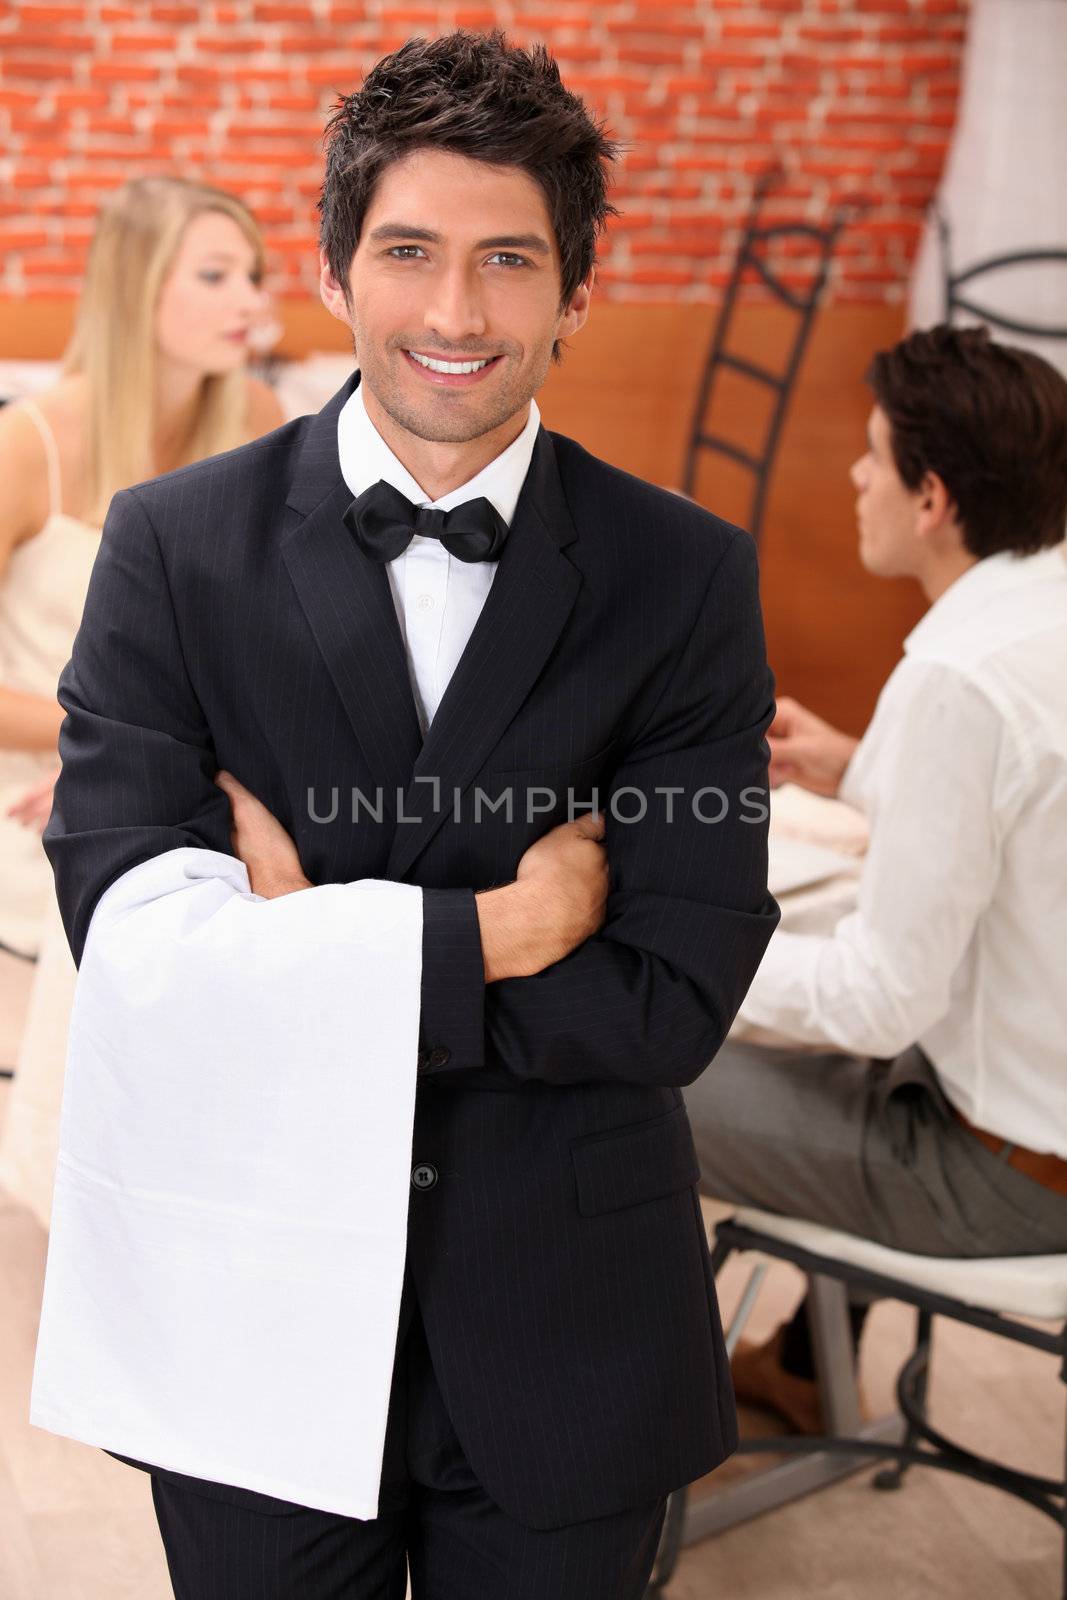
x: 973, y: 590
x: 365, y: 457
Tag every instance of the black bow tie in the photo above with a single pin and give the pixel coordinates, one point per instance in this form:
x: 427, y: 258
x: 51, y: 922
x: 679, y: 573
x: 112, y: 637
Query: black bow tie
x: 384, y: 523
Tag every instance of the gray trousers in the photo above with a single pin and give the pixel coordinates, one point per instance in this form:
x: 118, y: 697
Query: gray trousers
x: 867, y: 1146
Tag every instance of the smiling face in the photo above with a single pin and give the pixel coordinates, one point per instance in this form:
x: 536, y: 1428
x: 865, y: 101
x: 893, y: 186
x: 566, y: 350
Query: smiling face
x: 210, y: 296
x: 454, y: 298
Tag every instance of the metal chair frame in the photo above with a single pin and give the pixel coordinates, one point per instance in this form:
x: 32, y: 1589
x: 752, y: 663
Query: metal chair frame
x: 905, y: 1440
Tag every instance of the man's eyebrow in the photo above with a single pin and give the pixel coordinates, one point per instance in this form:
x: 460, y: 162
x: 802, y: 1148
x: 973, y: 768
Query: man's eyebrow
x: 511, y: 241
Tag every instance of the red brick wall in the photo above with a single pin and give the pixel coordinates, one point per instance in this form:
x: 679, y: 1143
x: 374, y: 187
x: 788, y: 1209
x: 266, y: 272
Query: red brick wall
x: 855, y: 95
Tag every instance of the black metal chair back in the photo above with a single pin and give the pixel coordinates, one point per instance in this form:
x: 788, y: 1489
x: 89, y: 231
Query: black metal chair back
x: 752, y: 257
x: 957, y: 296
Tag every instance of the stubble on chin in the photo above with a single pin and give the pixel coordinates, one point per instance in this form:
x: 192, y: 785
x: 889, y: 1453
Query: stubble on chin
x: 435, y: 421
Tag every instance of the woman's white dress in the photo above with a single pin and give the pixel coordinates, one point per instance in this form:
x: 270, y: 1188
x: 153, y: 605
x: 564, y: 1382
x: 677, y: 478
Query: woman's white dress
x: 42, y: 596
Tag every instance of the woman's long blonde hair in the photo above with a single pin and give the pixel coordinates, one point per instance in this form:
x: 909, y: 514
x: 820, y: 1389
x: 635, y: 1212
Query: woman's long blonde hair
x: 133, y: 247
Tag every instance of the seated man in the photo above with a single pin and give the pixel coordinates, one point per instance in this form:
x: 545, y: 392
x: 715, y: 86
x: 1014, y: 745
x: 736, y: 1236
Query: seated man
x: 935, y: 1118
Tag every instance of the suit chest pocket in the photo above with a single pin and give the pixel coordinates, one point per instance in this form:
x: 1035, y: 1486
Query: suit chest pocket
x: 631, y: 1165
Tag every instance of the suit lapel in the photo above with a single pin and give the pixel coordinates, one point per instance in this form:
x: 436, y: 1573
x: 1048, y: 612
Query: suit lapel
x: 531, y: 598
x: 349, y: 606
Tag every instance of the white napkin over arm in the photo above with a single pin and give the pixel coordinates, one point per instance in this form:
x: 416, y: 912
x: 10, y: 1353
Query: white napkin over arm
x: 229, y: 1224
x: 228, y: 1235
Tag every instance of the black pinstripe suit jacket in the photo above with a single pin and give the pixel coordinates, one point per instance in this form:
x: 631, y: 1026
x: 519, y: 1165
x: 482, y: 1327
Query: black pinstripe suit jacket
x: 231, y: 621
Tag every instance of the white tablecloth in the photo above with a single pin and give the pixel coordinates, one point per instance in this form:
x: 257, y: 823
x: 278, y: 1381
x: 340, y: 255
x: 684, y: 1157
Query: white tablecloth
x: 814, y: 887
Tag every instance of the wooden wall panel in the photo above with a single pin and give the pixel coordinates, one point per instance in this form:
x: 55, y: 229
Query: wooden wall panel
x: 626, y: 389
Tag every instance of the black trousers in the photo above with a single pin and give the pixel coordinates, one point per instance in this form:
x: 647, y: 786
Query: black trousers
x: 433, y: 1514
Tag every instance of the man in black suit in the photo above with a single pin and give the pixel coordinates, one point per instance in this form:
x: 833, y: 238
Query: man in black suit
x: 559, y: 632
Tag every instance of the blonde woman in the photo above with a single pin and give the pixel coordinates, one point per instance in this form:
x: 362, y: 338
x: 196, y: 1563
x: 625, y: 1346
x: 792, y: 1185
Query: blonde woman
x: 155, y: 376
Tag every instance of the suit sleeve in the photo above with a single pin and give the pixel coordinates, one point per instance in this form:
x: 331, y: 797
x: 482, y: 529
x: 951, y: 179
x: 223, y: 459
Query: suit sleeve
x: 138, y: 759
x: 651, y: 997
x: 138, y: 763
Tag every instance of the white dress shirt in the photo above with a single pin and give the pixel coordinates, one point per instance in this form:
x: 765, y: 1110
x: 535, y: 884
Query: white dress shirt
x: 959, y: 941
x: 438, y: 598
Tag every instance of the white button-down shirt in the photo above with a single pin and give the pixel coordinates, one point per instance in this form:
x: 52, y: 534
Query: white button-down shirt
x: 438, y: 598
x: 959, y: 941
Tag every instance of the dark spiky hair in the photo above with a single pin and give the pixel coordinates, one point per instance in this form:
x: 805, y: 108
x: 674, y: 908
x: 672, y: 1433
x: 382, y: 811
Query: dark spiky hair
x: 477, y: 96
x: 991, y: 421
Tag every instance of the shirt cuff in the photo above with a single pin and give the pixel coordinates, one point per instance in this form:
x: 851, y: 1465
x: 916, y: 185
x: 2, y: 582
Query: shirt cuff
x: 452, y: 1026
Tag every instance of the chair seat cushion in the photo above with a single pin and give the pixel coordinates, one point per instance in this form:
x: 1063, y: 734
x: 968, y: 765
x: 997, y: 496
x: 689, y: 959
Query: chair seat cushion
x: 1026, y: 1286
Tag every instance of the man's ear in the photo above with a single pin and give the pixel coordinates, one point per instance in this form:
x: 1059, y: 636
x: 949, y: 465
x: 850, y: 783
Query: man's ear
x: 937, y: 509
x: 577, y: 308
x: 332, y: 291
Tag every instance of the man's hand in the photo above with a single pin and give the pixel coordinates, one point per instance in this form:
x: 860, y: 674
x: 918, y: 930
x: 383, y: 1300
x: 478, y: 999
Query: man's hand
x: 34, y: 807
x: 262, y: 843
x: 807, y: 750
x: 557, y: 901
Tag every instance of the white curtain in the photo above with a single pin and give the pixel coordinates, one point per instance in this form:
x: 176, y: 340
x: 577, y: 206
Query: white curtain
x: 1004, y: 188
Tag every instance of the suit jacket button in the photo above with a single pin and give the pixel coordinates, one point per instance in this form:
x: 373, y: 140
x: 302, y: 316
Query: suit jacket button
x: 439, y: 1056
x: 423, y: 1176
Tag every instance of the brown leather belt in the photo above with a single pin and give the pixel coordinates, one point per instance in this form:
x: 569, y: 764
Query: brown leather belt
x: 1050, y: 1171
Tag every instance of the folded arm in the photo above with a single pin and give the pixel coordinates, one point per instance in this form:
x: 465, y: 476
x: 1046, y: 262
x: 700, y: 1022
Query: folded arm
x: 649, y: 999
